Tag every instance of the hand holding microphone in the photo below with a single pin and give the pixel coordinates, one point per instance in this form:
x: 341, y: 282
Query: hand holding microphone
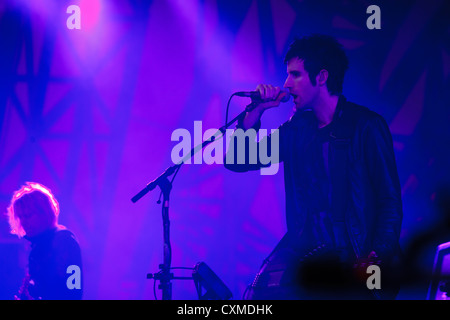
x: 267, y: 96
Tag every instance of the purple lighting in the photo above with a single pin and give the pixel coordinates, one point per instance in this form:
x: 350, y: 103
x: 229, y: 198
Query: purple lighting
x: 89, y: 113
x: 91, y: 13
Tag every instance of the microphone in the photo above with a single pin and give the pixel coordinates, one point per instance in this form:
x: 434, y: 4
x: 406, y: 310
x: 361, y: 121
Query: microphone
x: 255, y: 95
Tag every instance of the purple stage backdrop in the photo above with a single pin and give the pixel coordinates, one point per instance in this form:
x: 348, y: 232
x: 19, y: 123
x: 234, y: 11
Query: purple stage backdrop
x: 90, y: 113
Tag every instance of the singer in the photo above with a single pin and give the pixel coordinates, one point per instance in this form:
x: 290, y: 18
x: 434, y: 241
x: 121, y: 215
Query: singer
x: 343, y: 195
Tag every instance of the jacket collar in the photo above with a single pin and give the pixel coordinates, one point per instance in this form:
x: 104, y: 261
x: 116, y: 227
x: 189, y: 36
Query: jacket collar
x: 43, y: 236
x: 339, y: 108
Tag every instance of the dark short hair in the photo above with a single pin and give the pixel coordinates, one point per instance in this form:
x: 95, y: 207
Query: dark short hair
x: 320, y: 52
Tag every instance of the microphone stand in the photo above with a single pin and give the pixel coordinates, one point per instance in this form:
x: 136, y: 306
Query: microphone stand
x: 162, y: 181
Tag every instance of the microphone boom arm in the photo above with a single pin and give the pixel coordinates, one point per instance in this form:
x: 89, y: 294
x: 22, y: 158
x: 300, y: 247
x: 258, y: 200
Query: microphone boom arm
x: 165, y: 185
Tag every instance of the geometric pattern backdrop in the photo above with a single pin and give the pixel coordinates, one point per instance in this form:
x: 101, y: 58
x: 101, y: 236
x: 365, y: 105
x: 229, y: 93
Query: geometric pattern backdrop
x: 89, y: 113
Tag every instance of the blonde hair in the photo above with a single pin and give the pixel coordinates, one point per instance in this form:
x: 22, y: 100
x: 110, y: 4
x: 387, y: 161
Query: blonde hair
x: 28, y: 188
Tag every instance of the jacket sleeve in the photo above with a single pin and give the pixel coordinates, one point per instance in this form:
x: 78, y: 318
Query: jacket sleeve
x: 383, y: 175
x: 245, y: 152
x: 67, y: 254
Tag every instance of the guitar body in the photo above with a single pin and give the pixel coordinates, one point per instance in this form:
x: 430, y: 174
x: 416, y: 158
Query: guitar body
x: 314, y: 272
x: 276, y: 278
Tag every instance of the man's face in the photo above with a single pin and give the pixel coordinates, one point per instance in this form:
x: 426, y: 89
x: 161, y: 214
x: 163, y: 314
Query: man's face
x: 300, y: 87
x: 32, y: 217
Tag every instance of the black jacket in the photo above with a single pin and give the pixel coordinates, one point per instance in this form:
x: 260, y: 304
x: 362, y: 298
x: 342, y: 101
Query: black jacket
x: 52, y: 252
x: 366, y: 187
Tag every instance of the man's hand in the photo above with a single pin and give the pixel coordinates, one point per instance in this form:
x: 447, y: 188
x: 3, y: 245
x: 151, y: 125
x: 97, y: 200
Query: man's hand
x: 365, y: 262
x: 271, y: 97
x: 361, y: 265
